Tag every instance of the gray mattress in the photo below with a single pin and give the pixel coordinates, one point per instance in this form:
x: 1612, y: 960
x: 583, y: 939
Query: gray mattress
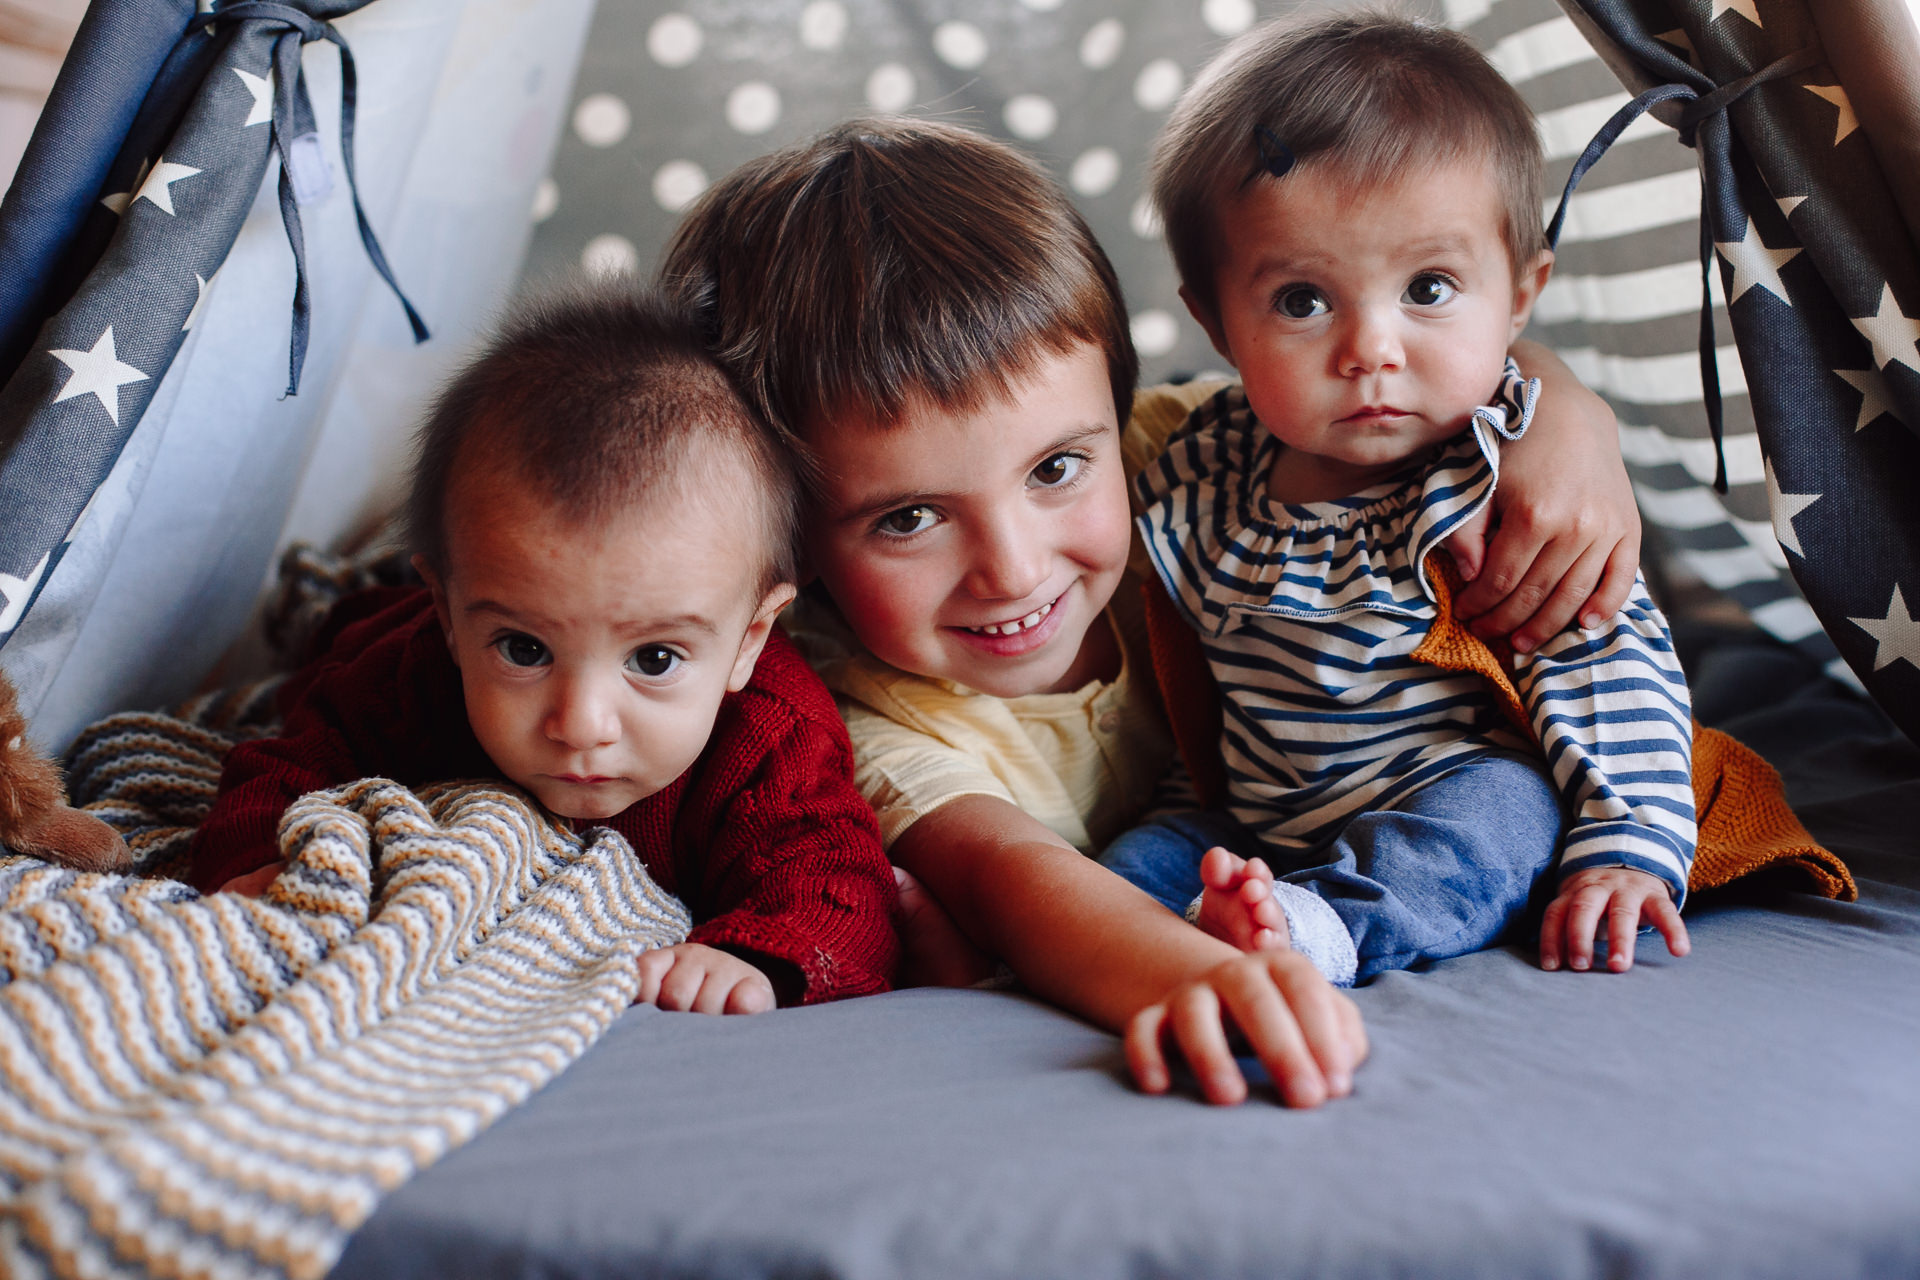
x: 1753, y: 1110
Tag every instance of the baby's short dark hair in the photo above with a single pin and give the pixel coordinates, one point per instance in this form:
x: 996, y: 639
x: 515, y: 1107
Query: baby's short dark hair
x: 890, y: 259
x: 1366, y: 96
x: 598, y: 395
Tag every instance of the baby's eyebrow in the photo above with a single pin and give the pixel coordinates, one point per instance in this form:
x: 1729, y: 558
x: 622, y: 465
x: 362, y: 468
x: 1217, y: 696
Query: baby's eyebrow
x: 679, y: 622
x: 1289, y: 262
x: 494, y: 607
x: 637, y: 627
x: 1439, y: 244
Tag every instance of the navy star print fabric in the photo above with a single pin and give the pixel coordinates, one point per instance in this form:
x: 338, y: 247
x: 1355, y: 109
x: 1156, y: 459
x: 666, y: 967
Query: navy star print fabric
x: 1823, y: 295
x: 116, y: 282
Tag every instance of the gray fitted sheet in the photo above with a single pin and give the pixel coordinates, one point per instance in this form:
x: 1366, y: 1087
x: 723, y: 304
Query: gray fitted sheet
x: 1753, y: 1110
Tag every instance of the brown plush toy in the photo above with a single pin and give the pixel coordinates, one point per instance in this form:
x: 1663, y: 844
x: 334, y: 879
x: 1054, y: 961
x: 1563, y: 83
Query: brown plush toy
x: 35, y: 818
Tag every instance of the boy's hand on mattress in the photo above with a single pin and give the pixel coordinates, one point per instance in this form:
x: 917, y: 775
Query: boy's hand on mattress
x: 254, y: 883
x: 697, y: 978
x: 1564, y: 541
x: 1308, y: 1036
x: 1621, y: 896
x: 1080, y: 936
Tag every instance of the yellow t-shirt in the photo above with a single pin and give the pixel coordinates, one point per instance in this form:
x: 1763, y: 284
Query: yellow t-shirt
x: 1084, y: 763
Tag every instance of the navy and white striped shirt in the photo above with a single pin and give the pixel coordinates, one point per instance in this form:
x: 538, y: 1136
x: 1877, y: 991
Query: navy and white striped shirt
x: 1310, y: 614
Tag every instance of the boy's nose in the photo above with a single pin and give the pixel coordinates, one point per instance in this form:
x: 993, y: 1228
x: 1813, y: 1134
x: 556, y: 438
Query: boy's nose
x: 1370, y: 343
x: 581, y: 715
x: 1009, y: 560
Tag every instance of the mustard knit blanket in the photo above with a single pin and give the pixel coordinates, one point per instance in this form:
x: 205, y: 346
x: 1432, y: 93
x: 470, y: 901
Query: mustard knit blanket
x: 224, y: 1087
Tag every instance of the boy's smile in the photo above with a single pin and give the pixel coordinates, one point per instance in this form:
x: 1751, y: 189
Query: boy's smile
x: 1019, y: 634
x: 594, y: 654
x: 980, y: 547
x: 1366, y: 319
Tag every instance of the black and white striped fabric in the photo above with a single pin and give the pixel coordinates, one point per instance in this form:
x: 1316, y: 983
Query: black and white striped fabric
x: 1311, y: 614
x: 1623, y: 310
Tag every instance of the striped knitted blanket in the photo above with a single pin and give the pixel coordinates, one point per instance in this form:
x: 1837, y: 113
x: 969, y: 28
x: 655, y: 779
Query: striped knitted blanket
x: 224, y: 1087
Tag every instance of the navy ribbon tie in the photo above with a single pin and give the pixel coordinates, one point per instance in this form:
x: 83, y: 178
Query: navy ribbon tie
x: 1700, y: 108
x: 293, y: 121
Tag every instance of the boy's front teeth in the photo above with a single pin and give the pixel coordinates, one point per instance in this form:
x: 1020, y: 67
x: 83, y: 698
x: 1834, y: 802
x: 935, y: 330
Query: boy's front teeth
x: 1016, y: 626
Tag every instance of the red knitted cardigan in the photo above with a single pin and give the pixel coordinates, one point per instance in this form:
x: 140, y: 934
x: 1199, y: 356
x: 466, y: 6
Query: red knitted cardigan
x: 765, y: 837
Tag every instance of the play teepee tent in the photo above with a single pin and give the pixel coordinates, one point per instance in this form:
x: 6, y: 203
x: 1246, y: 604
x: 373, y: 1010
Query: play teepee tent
x: 192, y: 230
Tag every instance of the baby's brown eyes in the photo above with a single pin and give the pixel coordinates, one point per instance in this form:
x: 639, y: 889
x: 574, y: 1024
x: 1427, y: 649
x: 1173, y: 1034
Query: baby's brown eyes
x: 652, y: 661
x: 1430, y: 290
x: 1301, y: 302
x: 522, y: 651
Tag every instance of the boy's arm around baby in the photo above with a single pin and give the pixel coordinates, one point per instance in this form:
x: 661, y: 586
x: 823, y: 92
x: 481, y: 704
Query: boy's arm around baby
x: 1567, y: 541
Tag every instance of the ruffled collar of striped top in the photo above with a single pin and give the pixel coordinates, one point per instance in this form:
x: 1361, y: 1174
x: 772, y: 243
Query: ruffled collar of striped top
x: 1226, y: 549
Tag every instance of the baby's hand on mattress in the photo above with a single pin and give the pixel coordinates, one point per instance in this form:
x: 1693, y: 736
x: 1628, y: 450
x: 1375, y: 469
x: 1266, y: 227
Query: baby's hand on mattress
x: 254, y: 883
x: 702, y: 979
x: 1308, y: 1036
x: 1237, y: 904
x: 1624, y: 898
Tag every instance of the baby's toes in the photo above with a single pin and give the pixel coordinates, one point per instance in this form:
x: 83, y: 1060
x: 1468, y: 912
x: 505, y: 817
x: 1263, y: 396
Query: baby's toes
x: 1221, y: 869
x: 1270, y: 926
x: 1225, y: 917
x: 1268, y: 915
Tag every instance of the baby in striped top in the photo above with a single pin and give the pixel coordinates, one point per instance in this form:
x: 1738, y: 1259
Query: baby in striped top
x: 1354, y: 207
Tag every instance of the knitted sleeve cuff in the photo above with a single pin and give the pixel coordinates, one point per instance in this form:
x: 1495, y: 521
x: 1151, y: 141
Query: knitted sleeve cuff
x: 851, y: 967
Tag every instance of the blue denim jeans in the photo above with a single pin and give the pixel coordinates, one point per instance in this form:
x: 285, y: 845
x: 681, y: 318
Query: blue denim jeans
x: 1163, y: 854
x: 1450, y: 870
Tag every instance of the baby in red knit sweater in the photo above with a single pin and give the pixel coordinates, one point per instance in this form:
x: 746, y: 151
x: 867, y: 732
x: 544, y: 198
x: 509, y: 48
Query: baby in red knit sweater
x: 607, y: 534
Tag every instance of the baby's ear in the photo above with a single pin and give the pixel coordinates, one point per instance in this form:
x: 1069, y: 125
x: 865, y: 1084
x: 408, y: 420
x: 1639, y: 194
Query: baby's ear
x: 438, y: 588
x: 778, y: 597
x: 1526, y: 289
x: 1209, y: 321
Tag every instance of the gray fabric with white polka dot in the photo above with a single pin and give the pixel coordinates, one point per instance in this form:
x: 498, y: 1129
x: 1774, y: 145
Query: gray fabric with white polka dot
x: 668, y: 98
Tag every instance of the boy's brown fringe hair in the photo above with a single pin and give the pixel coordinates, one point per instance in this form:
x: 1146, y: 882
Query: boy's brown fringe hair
x: 889, y: 261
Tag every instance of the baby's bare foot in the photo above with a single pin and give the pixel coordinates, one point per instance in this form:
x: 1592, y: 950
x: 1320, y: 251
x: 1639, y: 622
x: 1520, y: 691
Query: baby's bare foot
x: 1237, y: 905
x: 934, y: 953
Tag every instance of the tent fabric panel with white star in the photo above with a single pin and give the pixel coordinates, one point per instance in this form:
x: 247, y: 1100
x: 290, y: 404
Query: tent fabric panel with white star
x: 1623, y: 309
x: 1822, y: 281
x: 460, y: 108
x: 164, y: 221
x: 117, y: 55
